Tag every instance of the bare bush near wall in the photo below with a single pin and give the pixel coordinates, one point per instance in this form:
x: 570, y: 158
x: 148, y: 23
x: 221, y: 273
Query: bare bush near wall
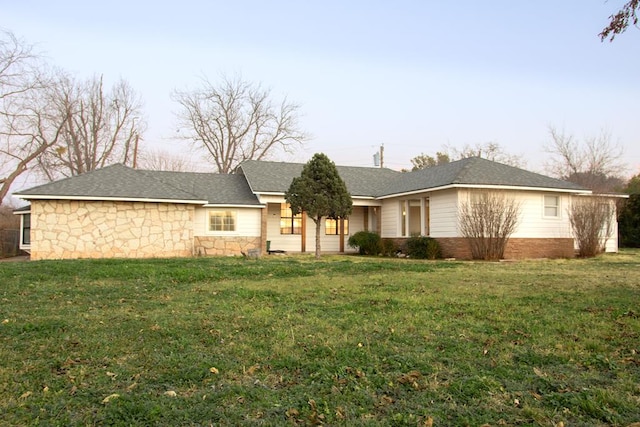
x: 487, y: 222
x: 591, y: 221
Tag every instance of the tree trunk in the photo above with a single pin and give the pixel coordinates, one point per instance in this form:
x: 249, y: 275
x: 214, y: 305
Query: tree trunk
x: 318, y: 222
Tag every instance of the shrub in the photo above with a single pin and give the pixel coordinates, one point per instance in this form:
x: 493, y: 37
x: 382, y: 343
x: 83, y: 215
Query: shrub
x: 591, y: 220
x: 389, y: 247
x: 487, y: 221
x: 367, y: 242
x: 423, y: 248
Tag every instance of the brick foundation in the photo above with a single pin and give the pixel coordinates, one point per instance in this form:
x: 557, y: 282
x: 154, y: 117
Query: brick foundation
x: 517, y: 248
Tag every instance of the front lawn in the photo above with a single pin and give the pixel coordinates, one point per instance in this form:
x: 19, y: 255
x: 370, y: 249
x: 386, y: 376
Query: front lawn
x: 342, y: 341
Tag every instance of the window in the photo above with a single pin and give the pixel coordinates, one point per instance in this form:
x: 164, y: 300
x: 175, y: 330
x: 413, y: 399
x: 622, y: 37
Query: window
x: 26, y: 229
x: 478, y: 198
x: 222, y: 221
x: 552, y: 206
x: 332, y: 227
x: 289, y: 223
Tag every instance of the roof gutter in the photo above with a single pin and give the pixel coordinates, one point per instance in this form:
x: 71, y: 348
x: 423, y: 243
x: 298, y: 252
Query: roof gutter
x: 109, y: 199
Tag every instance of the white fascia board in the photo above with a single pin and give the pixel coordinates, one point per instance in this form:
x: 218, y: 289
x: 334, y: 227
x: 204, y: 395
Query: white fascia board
x: 268, y: 193
x: 521, y: 188
x: 492, y: 187
x: 111, y: 199
x: 274, y: 194
x: 234, y: 206
x: 612, y: 196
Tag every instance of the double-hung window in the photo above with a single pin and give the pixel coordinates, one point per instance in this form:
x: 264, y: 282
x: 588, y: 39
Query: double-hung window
x: 332, y: 227
x: 289, y: 223
x: 26, y: 229
x: 222, y: 221
x: 551, y: 206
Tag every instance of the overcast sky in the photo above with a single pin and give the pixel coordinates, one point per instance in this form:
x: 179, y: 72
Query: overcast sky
x: 412, y: 75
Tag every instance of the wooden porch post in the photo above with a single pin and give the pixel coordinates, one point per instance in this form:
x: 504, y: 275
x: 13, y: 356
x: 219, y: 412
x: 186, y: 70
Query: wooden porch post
x: 303, y: 243
x: 366, y: 218
x: 423, y: 213
x: 263, y: 229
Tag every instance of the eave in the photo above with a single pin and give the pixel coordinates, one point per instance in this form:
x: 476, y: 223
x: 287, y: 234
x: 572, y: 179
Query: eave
x: 222, y: 205
x: 483, y: 186
x: 110, y: 199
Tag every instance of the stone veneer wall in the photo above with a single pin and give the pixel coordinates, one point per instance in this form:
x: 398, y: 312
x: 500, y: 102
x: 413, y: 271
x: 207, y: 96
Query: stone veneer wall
x: 225, y: 245
x: 64, y: 229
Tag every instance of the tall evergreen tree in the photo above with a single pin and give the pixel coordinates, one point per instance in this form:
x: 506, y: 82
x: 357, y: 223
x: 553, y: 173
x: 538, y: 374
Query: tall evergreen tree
x: 320, y: 193
x: 629, y: 217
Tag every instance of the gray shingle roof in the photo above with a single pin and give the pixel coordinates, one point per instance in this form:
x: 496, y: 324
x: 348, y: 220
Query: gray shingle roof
x: 473, y: 171
x: 121, y: 182
x: 215, y: 188
x: 276, y: 177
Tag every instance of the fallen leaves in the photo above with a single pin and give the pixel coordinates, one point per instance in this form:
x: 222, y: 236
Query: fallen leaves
x: 214, y: 370
x: 110, y: 398
x: 410, y: 378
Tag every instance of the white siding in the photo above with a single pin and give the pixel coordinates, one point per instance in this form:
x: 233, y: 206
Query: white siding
x: 391, y: 218
x: 332, y: 243
x: 443, y: 212
x: 283, y: 242
x: 533, y: 223
x: 247, y: 222
x: 293, y: 242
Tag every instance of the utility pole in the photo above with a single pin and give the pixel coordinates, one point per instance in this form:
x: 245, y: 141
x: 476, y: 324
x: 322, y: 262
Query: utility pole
x: 378, y: 158
x: 135, y: 151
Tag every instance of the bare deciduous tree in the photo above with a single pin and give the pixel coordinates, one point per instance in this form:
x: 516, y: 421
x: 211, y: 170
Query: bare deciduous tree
x: 591, y: 221
x: 594, y: 163
x: 100, y: 127
x: 620, y: 21
x: 164, y: 161
x: 490, y: 151
x: 487, y: 221
x: 27, y: 128
x: 236, y: 121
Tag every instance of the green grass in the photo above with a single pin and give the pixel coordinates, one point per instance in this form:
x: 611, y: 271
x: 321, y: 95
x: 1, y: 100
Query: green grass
x: 341, y: 341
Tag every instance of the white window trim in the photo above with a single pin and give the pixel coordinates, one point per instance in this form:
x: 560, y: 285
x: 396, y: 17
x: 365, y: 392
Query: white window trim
x: 544, y: 206
x: 221, y: 233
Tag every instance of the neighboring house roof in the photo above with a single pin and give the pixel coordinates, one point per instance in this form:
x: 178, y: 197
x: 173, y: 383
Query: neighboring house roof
x: 276, y: 177
x: 22, y: 210
x: 119, y: 182
x: 473, y: 171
